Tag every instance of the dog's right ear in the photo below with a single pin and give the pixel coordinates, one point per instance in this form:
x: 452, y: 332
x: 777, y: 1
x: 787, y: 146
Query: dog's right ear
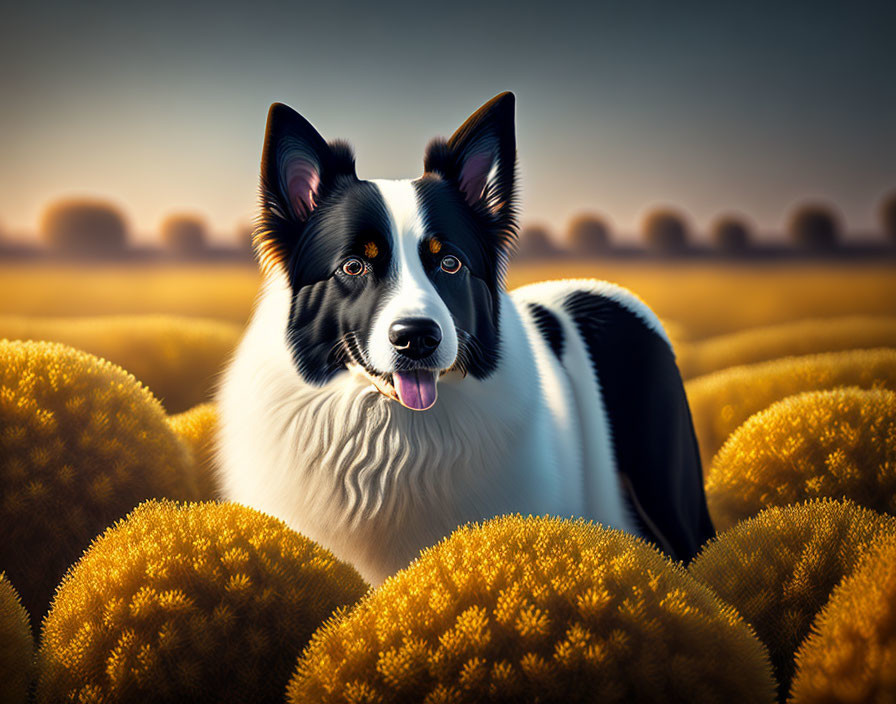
x: 298, y: 169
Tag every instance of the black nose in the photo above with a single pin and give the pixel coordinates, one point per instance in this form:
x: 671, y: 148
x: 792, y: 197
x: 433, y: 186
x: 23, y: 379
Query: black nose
x: 415, y: 337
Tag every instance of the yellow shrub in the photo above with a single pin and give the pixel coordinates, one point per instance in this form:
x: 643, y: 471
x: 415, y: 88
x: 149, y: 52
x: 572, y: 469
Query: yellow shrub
x: 196, y: 428
x: 838, y: 443
x: 851, y: 654
x: 778, y: 568
x: 81, y: 444
x: 790, y: 339
x: 177, y: 358
x: 208, y: 602
x: 16, y: 646
x: 722, y: 401
x: 537, y: 609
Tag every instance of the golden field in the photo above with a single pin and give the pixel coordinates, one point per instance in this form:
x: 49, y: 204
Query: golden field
x: 790, y: 369
x: 706, y: 299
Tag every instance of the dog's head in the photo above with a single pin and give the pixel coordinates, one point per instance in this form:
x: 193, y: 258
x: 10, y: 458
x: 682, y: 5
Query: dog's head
x: 395, y: 280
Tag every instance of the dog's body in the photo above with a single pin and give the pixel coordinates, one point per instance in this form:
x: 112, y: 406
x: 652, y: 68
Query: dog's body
x: 559, y: 398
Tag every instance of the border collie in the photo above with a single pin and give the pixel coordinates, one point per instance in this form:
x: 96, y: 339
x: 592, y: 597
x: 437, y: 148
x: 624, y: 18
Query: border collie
x: 389, y: 389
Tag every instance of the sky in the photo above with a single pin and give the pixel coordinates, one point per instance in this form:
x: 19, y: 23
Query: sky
x: 711, y: 107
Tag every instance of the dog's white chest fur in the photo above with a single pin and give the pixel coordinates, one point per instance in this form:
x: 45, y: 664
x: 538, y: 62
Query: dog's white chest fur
x: 376, y: 482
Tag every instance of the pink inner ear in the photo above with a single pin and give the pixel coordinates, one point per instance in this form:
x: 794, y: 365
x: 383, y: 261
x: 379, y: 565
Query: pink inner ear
x: 302, y: 179
x: 473, y: 175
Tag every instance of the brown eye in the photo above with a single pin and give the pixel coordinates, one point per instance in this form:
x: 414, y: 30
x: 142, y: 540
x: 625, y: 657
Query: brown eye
x: 450, y: 264
x: 354, y: 267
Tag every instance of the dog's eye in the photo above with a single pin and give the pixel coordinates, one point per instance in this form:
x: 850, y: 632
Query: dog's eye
x: 354, y: 267
x: 450, y: 264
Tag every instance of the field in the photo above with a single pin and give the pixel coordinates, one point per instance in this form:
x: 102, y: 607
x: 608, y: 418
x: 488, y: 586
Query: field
x: 790, y: 370
x: 703, y: 299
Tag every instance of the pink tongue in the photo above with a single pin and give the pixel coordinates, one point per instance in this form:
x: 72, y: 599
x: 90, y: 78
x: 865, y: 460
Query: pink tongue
x: 416, y: 389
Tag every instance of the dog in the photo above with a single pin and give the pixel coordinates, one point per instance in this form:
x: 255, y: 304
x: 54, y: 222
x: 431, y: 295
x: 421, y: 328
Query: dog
x: 389, y: 389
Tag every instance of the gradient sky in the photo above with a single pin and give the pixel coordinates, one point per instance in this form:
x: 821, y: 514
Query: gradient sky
x: 621, y: 105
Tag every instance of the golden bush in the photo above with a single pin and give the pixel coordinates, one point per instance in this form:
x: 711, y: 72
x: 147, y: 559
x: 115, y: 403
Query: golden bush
x: 81, y: 444
x: 176, y: 357
x: 536, y: 609
x: 836, y: 443
x: 790, y: 339
x: 851, y: 654
x: 778, y: 568
x: 196, y: 428
x: 16, y: 646
x: 202, y: 602
x: 720, y: 402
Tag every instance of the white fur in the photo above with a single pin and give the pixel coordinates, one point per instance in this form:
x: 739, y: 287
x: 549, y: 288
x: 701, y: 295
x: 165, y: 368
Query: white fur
x: 414, y: 295
x: 375, y: 482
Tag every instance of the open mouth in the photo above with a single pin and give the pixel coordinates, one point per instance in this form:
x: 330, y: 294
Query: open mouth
x: 414, y: 389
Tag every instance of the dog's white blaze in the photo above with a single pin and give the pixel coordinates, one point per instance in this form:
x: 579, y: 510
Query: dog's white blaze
x: 413, y: 295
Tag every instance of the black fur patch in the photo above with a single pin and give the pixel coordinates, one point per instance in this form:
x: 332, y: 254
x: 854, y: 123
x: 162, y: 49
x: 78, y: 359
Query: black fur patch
x: 332, y: 312
x: 549, y: 327
x: 653, y: 435
x: 471, y: 294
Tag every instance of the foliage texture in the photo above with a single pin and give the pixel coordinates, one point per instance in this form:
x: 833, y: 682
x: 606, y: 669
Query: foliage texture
x: 82, y: 443
x: 836, y: 443
x: 16, y: 646
x: 722, y: 401
x: 851, y: 654
x: 536, y: 610
x: 790, y: 339
x: 196, y: 428
x: 176, y: 357
x: 779, y: 568
x: 207, y: 602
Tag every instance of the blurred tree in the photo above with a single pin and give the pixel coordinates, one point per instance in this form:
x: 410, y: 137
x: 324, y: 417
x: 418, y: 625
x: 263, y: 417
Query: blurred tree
x: 84, y: 226
x: 245, y: 238
x: 536, y: 242
x: 730, y: 234
x: 184, y: 234
x: 814, y: 227
x: 888, y: 216
x: 665, y: 230
x: 588, y: 234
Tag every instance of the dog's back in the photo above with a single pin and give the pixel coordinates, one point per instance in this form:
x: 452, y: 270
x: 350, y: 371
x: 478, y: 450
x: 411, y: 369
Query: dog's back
x: 631, y: 402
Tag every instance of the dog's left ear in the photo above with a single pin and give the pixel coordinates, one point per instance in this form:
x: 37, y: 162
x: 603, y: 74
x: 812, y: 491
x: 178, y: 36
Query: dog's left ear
x: 480, y: 159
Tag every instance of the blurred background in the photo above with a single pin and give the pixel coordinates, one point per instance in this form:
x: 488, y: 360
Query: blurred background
x: 733, y: 164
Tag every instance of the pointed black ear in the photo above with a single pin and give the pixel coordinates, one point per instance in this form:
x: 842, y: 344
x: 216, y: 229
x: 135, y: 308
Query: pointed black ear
x: 480, y: 159
x: 298, y: 168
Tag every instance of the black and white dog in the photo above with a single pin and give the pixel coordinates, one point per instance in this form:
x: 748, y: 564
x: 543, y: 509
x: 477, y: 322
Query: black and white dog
x: 389, y: 389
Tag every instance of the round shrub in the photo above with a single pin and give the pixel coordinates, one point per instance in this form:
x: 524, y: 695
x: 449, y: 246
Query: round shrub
x: 730, y: 234
x: 84, y: 226
x: 207, y: 602
x: 536, y: 609
x: 588, y: 235
x: 790, y: 339
x: 888, y: 217
x: 720, y: 402
x: 837, y: 443
x: 16, y: 646
x: 178, y: 358
x: 778, y: 568
x: 196, y: 428
x: 851, y: 654
x: 665, y: 231
x: 814, y: 227
x: 535, y: 241
x: 184, y: 234
x: 81, y: 443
